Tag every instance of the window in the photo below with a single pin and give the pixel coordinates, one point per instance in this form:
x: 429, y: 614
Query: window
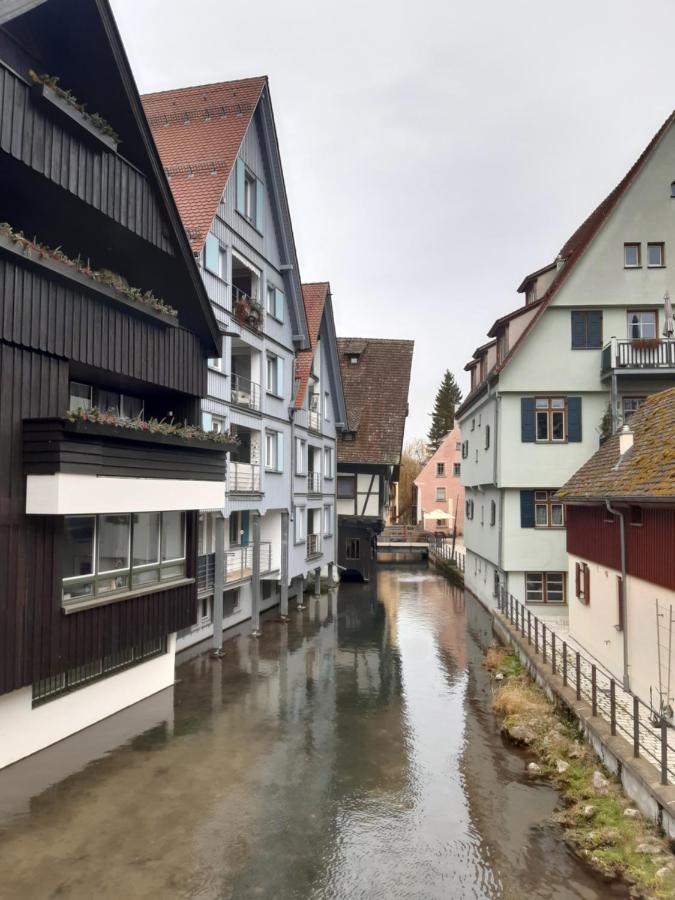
x: 440, y: 470
x: 493, y: 512
x: 354, y: 359
x: 631, y: 405
x: 458, y: 445
x: 328, y: 520
x: 456, y: 468
x: 550, y: 419
x: 641, y: 324
x: 275, y: 375
x: 216, y: 363
x: 473, y: 424
x: 274, y: 445
x: 487, y: 437
x: 468, y: 508
x: 299, y: 456
x: 582, y: 582
x: 548, y: 513
x: 545, y: 587
x: 465, y: 450
x: 81, y: 396
x: 275, y: 302
x: 353, y: 548
x: 214, y: 256
x: 631, y: 256
x: 636, y: 515
x: 656, y: 256
x: 213, y: 423
x: 346, y: 487
x: 328, y: 462
x: 250, y: 195
x: 110, y: 554
x: 299, y: 524
x: 440, y: 493
x: 326, y: 406
x: 586, y: 329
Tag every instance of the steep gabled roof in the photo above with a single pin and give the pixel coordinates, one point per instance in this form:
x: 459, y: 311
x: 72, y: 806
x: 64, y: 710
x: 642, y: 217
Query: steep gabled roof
x: 646, y: 471
x: 376, y: 394
x: 528, y: 278
x: 198, y: 132
x: 574, y: 248
x: 314, y: 296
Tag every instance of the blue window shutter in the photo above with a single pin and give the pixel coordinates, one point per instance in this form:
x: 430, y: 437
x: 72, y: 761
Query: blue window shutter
x: 280, y: 376
x: 279, y: 304
x: 595, y: 329
x: 527, y: 509
x: 574, y: 419
x: 244, y: 527
x: 259, y: 205
x: 579, y: 330
x: 241, y: 186
x: 527, y: 429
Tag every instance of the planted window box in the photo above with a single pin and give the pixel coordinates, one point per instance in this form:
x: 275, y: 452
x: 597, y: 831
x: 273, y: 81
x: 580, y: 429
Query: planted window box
x: 248, y: 312
x: 645, y: 343
x: 70, y: 112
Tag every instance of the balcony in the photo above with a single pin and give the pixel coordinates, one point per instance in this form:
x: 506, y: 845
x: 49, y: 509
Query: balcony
x: 314, y: 482
x: 243, y: 478
x: 238, y: 566
x: 247, y: 310
x: 313, y: 546
x: 144, y: 471
x: 636, y: 357
x: 245, y: 393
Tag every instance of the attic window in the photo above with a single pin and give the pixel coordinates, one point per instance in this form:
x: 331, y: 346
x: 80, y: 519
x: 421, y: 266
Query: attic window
x: 353, y: 359
x: 349, y: 435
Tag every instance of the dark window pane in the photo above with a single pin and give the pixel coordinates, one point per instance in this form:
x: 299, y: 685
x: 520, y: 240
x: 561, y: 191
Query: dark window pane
x: 146, y: 538
x: 113, y: 543
x: 558, y: 421
x: 542, y: 426
x: 78, y: 546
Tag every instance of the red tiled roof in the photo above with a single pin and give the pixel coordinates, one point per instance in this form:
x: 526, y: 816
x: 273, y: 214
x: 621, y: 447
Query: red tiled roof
x: 314, y: 296
x: 376, y: 395
x: 198, y: 132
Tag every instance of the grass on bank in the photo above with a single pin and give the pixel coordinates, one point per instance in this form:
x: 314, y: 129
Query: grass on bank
x: 594, y: 814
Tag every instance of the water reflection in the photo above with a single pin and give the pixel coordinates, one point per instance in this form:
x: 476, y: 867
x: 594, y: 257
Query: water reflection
x: 350, y: 753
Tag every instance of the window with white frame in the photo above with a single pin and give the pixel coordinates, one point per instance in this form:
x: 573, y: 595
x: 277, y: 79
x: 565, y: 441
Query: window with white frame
x: 631, y: 256
x: 440, y: 493
x: 110, y: 554
x: 300, y: 456
x: 249, y: 195
x: 545, y: 587
x: 656, y: 255
x: 274, y: 451
x: 216, y: 363
x: 299, y: 524
x: 275, y: 377
x: 642, y: 324
x: 328, y: 520
x: 551, y: 419
x: 327, y: 462
x: 275, y: 302
x: 631, y: 405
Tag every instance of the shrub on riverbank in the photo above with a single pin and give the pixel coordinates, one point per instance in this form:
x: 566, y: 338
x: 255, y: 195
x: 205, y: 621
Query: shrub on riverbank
x: 599, y: 822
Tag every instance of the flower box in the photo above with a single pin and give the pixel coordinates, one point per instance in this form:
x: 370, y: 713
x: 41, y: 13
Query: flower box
x: 70, y: 116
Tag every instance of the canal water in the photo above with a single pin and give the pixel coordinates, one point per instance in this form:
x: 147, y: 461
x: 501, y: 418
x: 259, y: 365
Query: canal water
x: 348, y: 754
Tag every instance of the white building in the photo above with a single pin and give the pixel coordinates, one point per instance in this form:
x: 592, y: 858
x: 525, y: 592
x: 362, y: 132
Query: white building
x: 577, y: 358
x: 218, y: 145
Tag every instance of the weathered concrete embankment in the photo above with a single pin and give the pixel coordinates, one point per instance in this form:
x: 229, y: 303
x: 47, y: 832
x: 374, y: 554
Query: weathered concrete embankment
x: 639, y: 778
x: 448, y: 569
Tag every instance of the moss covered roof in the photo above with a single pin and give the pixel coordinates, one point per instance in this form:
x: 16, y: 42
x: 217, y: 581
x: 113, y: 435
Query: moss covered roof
x: 646, y: 471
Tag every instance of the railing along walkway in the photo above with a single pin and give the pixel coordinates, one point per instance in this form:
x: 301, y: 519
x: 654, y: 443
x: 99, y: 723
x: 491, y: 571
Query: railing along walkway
x: 441, y: 548
x: 644, y: 728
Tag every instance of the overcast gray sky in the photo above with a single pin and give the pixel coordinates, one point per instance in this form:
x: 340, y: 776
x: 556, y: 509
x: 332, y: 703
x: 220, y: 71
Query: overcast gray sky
x: 434, y: 152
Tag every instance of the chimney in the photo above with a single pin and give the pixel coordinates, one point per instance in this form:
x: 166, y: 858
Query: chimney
x: 625, y: 440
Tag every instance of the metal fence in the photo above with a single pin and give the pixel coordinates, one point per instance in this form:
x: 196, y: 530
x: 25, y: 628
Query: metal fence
x: 442, y: 548
x: 642, y: 726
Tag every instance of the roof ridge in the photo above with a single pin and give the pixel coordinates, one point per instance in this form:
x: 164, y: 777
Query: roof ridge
x: 198, y: 87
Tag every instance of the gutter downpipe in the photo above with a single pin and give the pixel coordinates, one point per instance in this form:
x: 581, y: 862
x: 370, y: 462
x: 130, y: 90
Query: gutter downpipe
x: 622, y: 525
x: 500, y: 496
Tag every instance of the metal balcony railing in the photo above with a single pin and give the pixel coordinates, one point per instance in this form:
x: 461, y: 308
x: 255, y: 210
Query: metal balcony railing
x: 245, y: 392
x: 247, y: 310
x: 206, y: 568
x: 243, y: 478
x: 638, y: 354
x: 313, y: 420
x: 313, y: 545
x: 314, y: 482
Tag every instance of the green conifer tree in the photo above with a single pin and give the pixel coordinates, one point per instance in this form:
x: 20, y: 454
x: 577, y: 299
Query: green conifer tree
x: 448, y: 398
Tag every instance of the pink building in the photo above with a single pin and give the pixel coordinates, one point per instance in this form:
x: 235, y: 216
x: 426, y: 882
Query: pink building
x: 439, y: 495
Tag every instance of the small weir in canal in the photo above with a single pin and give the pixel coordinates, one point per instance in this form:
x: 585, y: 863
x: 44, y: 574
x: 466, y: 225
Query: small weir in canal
x: 349, y: 754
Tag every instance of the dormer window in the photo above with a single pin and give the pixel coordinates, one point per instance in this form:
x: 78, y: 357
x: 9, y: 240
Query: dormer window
x: 531, y: 294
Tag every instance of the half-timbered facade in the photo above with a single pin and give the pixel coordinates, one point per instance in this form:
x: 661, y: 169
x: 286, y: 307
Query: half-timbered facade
x: 376, y: 376
x: 105, y: 328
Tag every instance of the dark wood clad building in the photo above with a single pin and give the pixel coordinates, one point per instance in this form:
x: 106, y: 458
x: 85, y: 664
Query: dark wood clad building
x: 101, y: 308
x: 376, y: 377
